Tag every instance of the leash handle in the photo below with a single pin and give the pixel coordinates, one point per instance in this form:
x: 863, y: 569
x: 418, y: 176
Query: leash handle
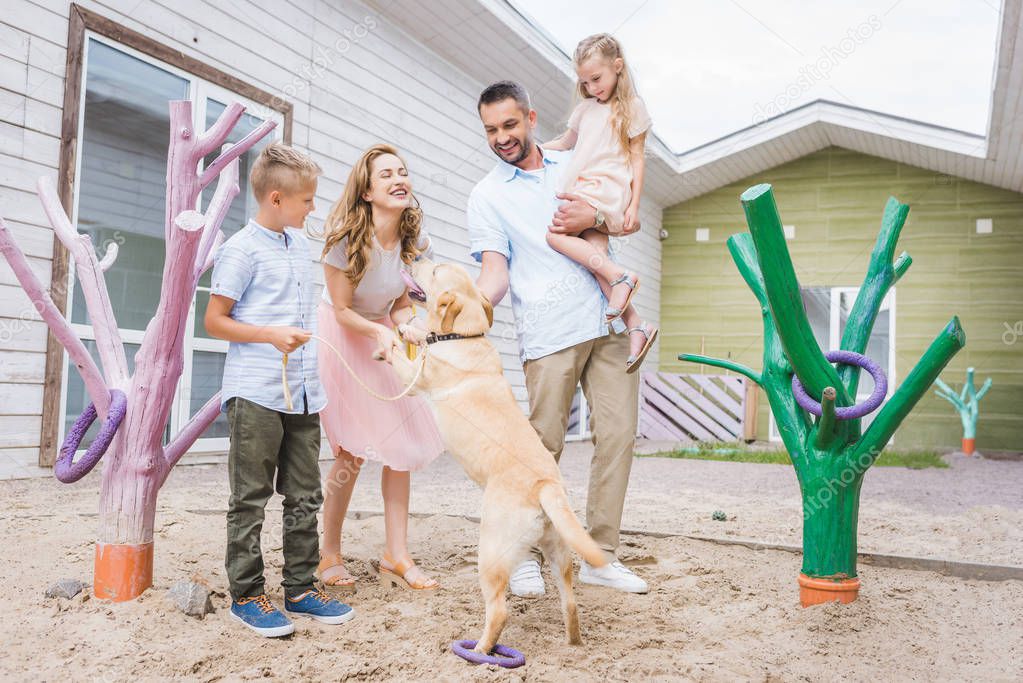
x: 284, y: 382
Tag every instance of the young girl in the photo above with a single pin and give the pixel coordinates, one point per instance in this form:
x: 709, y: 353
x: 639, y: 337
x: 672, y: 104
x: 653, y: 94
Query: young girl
x: 607, y: 130
x: 372, y: 231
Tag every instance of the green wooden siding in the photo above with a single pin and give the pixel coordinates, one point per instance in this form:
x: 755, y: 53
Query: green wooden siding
x: 835, y: 198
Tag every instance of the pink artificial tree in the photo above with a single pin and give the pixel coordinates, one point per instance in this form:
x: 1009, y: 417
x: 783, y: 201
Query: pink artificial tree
x: 138, y: 405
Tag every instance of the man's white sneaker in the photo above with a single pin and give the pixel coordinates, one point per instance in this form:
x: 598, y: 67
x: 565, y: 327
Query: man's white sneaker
x: 526, y: 581
x: 615, y: 575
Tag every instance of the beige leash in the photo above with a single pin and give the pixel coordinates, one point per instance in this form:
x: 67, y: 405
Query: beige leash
x: 287, y: 392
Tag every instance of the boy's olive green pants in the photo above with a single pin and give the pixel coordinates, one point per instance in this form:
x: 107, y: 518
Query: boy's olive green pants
x: 265, y: 443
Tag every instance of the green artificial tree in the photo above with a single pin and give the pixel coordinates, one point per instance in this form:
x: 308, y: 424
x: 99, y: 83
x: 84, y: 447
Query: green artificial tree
x: 830, y: 455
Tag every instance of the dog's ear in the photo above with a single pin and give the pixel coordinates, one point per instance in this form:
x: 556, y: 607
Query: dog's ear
x: 488, y: 308
x: 448, y: 308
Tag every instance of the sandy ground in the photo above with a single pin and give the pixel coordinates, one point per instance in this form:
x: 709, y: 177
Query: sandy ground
x: 714, y: 612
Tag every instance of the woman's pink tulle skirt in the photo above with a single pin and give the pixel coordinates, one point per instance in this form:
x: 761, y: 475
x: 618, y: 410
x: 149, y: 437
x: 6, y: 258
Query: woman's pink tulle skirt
x: 401, y: 434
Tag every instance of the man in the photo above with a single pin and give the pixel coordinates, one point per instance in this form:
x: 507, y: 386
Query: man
x: 559, y: 313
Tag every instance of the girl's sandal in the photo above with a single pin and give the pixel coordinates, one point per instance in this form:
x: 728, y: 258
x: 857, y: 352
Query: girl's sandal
x: 395, y: 576
x: 339, y: 583
x: 632, y: 282
x: 633, y: 362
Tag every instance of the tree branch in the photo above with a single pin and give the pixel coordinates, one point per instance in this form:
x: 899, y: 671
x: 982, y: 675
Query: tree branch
x: 881, y: 275
x: 214, y: 137
x: 776, y: 377
x: 782, y: 288
x: 825, y: 434
x: 95, y: 385
x: 721, y: 363
x: 208, y: 263
x: 93, y: 284
x: 184, y: 439
x: 235, y: 151
x: 919, y: 380
x: 109, y: 257
x: 983, y: 390
x: 216, y: 212
x: 744, y: 254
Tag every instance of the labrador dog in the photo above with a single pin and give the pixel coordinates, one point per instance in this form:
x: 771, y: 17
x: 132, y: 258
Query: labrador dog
x: 483, y: 427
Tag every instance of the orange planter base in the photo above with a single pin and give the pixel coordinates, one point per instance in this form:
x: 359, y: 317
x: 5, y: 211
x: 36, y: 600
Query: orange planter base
x: 969, y: 446
x: 817, y: 591
x: 123, y: 571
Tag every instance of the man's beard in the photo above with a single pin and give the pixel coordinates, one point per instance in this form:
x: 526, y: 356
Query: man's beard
x: 525, y: 149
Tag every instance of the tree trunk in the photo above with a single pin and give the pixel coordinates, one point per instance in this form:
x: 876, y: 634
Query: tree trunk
x: 831, y: 502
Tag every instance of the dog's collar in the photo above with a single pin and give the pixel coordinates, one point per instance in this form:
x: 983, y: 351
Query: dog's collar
x: 434, y: 337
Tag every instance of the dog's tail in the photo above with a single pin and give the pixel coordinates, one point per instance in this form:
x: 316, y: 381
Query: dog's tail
x: 555, y: 505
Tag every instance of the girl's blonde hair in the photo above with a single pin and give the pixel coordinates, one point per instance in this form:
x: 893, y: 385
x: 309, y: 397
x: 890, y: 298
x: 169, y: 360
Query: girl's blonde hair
x: 352, y: 217
x: 605, y: 45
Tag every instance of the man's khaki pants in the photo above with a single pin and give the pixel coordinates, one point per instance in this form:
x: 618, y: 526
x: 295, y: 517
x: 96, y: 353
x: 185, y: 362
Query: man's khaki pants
x: 613, y: 399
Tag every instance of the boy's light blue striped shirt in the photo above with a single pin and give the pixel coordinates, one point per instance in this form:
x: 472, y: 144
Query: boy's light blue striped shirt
x: 269, y: 276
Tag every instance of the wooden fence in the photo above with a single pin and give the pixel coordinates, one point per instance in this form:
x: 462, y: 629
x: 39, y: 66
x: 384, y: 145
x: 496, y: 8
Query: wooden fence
x: 693, y: 407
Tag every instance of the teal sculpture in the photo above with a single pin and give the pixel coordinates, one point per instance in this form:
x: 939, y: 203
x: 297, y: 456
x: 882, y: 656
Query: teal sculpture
x: 966, y: 403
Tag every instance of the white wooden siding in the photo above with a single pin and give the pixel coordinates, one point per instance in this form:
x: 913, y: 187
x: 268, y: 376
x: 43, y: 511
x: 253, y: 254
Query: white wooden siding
x: 392, y: 84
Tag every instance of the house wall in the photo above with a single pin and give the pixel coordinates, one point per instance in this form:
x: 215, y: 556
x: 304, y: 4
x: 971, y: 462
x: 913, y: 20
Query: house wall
x: 354, y: 79
x: 835, y: 198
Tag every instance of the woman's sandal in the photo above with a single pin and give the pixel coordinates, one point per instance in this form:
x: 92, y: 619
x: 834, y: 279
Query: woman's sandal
x: 345, y: 584
x: 633, y: 362
x: 396, y: 576
x: 630, y: 280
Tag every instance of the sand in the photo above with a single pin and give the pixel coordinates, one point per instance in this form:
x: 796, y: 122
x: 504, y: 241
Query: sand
x: 714, y: 612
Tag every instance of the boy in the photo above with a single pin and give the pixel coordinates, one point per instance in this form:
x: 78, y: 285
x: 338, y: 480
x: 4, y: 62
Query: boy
x: 262, y: 302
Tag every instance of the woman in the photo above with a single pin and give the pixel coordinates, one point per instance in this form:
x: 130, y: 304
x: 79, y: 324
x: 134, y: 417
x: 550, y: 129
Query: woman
x: 371, y: 233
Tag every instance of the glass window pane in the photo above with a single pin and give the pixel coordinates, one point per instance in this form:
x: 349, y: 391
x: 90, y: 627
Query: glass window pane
x: 207, y: 373
x: 123, y: 176
x: 817, y: 302
x: 877, y: 346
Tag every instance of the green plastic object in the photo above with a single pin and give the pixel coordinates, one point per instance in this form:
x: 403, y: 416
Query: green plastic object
x: 830, y: 456
x: 965, y: 402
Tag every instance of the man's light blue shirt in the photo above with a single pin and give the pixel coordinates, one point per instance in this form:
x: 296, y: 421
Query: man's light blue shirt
x: 269, y: 276
x: 557, y: 303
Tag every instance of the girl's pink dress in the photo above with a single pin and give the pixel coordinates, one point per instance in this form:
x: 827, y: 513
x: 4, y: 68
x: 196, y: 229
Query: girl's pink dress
x: 599, y: 170
x: 401, y: 434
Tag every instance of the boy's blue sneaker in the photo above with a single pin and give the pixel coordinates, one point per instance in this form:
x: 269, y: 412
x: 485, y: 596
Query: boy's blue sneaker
x: 261, y: 616
x: 319, y: 606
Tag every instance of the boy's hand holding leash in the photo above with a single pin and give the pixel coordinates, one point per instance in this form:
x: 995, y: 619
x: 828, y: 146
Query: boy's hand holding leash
x: 287, y: 339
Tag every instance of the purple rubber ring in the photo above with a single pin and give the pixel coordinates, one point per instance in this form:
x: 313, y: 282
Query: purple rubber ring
x: 68, y: 471
x: 850, y: 412
x: 502, y: 656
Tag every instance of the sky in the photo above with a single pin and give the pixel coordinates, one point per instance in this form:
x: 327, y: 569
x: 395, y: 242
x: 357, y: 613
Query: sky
x: 707, y: 68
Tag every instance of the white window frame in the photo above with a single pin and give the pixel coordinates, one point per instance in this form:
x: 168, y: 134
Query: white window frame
x: 835, y: 339
x: 200, y: 92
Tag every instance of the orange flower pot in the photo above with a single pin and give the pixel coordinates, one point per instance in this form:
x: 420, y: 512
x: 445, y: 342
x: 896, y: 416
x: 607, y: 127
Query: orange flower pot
x: 814, y: 591
x: 969, y: 446
x: 123, y: 571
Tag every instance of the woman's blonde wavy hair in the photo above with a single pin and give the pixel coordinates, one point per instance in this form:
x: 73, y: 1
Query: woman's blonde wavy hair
x: 352, y: 217
x: 605, y: 45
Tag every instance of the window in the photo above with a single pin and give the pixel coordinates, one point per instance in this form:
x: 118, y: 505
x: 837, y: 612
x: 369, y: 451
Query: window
x: 120, y: 197
x: 827, y: 309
